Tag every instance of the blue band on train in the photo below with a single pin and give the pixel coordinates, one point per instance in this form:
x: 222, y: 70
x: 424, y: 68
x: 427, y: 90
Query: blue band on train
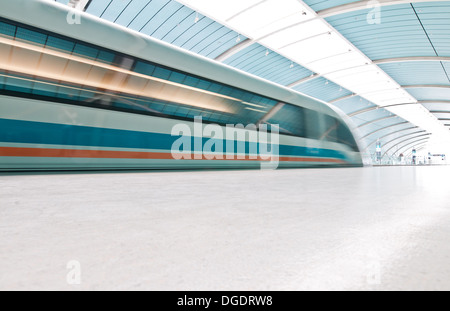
x: 18, y: 131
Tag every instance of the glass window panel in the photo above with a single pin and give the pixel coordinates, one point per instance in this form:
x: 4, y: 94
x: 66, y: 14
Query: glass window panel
x: 346, y: 137
x: 7, y: 29
x: 156, y: 106
x: 161, y: 73
x: 60, y: 44
x: 30, y: 35
x: 194, y: 82
x: 106, y: 57
x: 84, y: 95
x: 84, y: 50
x: 18, y: 85
x: 2, y: 81
x: 177, y: 77
x: 204, y: 85
x: 194, y: 113
x: 216, y: 88
x: 331, y: 126
x: 45, y: 89
x: 144, y: 68
x: 290, y: 119
x: 68, y: 93
x: 170, y: 109
x: 313, y: 127
x: 226, y: 90
x: 182, y: 112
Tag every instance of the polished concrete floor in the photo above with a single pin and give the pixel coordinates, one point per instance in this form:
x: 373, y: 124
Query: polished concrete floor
x: 385, y: 228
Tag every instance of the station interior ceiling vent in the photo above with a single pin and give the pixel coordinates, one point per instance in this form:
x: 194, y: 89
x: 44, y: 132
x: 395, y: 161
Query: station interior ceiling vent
x: 385, y: 63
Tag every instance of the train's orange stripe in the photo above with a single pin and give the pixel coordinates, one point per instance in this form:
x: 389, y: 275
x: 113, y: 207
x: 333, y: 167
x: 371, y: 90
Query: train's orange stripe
x: 104, y: 154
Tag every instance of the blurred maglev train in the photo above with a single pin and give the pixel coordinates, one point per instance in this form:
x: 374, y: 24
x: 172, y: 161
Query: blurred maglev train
x: 91, y: 95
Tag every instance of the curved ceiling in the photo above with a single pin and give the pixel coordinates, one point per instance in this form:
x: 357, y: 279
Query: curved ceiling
x: 385, y: 63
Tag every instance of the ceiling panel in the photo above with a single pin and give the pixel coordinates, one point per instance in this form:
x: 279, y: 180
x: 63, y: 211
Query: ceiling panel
x: 417, y: 73
x: 322, y: 89
x: 400, y: 33
x: 319, y: 5
x: 353, y: 104
x: 260, y: 61
x: 169, y: 21
x: 430, y: 93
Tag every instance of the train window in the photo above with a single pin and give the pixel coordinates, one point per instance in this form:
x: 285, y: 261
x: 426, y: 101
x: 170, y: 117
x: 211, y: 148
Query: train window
x: 144, y: 68
x: 29, y: 35
x: 7, y: 29
x: 106, y: 57
x: 313, y: 124
x: 221, y: 104
x: 290, y: 119
x: 337, y: 131
x: 345, y: 136
x: 161, y: 73
x: 177, y: 77
x: 86, y: 51
x: 60, y: 44
x: 45, y: 89
x: 331, y: 127
x: 20, y: 85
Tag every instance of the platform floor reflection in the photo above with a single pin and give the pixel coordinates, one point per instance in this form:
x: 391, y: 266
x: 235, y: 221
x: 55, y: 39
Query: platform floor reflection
x: 384, y: 228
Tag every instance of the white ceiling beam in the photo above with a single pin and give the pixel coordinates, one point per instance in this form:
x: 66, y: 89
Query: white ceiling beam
x: 410, y: 143
x: 234, y: 50
x: 384, y: 128
x: 413, y: 144
x: 390, y: 134
x: 342, y: 98
x: 403, y: 136
x: 377, y: 120
x: 297, y: 83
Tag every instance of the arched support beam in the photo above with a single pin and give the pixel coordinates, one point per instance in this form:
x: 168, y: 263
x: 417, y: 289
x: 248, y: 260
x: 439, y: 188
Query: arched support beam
x: 377, y: 120
x: 297, y: 83
x: 395, y: 105
x: 234, y: 50
x: 353, y: 114
x: 390, y: 134
x: 421, y: 147
x: 403, y: 136
x: 342, y: 98
x: 413, y: 144
x: 384, y: 128
x: 362, y: 5
x: 412, y: 59
x: 403, y: 141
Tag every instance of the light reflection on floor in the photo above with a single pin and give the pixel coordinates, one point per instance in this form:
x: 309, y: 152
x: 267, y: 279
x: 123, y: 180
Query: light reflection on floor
x: 373, y: 228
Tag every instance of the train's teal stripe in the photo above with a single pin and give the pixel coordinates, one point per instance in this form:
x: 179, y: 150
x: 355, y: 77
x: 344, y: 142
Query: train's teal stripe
x: 18, y: 131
